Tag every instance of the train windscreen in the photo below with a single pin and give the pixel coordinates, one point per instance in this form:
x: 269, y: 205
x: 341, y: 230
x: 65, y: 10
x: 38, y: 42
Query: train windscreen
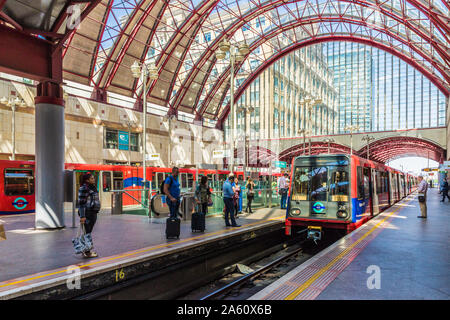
x: 19, y: 182
x: 320, y: 183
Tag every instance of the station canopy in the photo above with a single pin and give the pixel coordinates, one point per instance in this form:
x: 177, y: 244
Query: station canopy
x: 182, y: 37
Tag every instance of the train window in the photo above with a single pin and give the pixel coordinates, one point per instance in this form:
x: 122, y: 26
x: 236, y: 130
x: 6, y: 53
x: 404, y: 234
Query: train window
x: 190, y: 180
x: 106, y: 181
x: 319, y: 179
x: 366, y: 183
x: 338, y: 184
x: 300, y: 185
x: 183, y: 180
x: 19, y: 182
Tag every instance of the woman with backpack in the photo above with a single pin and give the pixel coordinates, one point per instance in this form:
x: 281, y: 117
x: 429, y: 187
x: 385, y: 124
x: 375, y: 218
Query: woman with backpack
x: 89, y: 206
x: 250, y: 194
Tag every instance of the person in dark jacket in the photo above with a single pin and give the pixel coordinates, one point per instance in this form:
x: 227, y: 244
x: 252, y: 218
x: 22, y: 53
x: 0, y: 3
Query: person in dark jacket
x: 445, y: 191
x: 250, y: 194
x: 203, y: 195
x: 89, y: 206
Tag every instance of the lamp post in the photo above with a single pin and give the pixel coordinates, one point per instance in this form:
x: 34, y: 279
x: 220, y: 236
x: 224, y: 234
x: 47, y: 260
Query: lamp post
x: 328, y: 140
x: 129, y: 123
x: 244, y: 111
x: 303, y: 132
x: 351, y: 128
x: 368, y: 139
x: 143, y: 71
x: 236, y: 55
x: 12, y: 103
x: 169, y: 122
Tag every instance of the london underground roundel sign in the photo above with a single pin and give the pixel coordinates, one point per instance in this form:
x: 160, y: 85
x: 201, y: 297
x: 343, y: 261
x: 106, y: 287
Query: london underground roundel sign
x: 318, y: 207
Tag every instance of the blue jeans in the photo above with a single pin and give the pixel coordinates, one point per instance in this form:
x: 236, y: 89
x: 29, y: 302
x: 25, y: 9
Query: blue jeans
x: 283, y: 199
x: 173, y: 207
x: 229, y: 211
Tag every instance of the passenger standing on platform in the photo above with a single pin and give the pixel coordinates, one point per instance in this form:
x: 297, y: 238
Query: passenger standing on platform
x: 445, y: 190
x: 250, y: 186
x: 228, y: 194
x: 422, y: 190
x: 89, y: 206
x: 203, y: 195
x: 283, y: 190
x: 237, y: 191
x: 172, y: 191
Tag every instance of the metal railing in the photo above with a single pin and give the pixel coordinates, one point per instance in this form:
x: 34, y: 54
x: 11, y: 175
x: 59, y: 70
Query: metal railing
x: 263, y: 198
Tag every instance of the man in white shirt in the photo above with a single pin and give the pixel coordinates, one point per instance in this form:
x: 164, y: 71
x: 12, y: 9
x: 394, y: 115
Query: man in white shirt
x: 422, y: 190
x: 283, y: 190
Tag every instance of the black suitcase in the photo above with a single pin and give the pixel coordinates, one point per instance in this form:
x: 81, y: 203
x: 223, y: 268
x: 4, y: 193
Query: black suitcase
x: 173, y: 228
x: 198, y: 222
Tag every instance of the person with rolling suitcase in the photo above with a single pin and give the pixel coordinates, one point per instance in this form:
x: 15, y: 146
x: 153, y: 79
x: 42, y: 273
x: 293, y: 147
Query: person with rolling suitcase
x: 202, y: 199
x: 172, y: 192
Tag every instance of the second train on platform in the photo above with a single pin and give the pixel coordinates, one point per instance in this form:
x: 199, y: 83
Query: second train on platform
x: 341, y: 192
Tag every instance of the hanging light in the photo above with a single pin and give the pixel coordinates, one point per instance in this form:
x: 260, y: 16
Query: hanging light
x: 136, y: 69
x: 244, y: 49
x: 153, y: 72
x: 220, y: 54
x: 239, y: 56
x: 224, y: 45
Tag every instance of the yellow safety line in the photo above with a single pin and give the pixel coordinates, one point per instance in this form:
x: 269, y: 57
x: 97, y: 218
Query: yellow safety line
x: 134, y: 253
x: 304, y: 286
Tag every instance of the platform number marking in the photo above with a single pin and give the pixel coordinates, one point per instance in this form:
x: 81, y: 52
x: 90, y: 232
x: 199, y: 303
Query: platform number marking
x: 120, y: 275
x: 374, y: 280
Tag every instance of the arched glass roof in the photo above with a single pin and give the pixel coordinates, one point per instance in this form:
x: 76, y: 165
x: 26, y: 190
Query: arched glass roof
x: 181, y: 37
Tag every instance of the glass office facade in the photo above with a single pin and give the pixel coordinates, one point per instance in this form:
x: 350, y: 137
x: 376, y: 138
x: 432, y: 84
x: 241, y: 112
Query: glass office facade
x: 379, y: 92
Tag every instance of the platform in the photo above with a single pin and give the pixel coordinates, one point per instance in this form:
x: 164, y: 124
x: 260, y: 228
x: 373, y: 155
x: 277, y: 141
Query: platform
x: 33, y: 259
x: 410, y: 255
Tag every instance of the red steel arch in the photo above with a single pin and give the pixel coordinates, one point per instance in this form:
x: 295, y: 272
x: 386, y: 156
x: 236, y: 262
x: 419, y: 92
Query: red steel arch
x: 317, y: 147
x: 387, y: 149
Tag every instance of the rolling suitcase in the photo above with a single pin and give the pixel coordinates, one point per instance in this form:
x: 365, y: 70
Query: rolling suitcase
x: 173, y: 228
x: 198, y: 222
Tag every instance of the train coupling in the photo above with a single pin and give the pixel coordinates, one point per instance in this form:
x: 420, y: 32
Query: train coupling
x: 314, y: 233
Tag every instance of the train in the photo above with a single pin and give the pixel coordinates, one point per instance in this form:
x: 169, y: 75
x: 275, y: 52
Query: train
x: 340, y: 192
x: 17, y: 185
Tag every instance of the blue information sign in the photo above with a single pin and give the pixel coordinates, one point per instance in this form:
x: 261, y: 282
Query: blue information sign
x: 280, y: 164
x: 124, y: 139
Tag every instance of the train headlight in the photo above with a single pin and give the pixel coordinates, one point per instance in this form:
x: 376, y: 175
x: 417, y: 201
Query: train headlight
x: 295, y: 212
x: 342, y: 214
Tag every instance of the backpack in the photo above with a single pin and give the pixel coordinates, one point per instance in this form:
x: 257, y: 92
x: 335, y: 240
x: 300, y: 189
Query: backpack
x: 161, y: 187
x: 94, y: 203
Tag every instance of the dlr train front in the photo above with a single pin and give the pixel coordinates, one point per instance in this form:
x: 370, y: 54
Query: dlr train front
x: 319, y: 195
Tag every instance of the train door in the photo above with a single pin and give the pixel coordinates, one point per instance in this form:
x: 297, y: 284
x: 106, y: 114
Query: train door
x: 105, y: 188
x: 375, y: 206
x: 18, y: 191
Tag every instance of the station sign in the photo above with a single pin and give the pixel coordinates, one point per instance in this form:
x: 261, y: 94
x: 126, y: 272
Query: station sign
x: 279, y: 164
x: 220, y: 154
x: 152, y: 157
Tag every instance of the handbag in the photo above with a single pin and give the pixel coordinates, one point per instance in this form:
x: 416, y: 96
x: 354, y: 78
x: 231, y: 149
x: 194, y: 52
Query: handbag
x: 421, y: 197
x: 82, y: 242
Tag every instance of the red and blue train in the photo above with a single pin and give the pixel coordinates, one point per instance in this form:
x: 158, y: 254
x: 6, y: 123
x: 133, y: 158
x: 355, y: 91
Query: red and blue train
x: 17, y: 185
x: 341, y: 192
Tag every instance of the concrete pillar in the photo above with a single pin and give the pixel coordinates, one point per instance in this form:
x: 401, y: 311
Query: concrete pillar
x: 49, y: 120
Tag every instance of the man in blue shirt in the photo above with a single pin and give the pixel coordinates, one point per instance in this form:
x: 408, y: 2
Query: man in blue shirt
x: 228, y: 200
x: 172, y: 191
